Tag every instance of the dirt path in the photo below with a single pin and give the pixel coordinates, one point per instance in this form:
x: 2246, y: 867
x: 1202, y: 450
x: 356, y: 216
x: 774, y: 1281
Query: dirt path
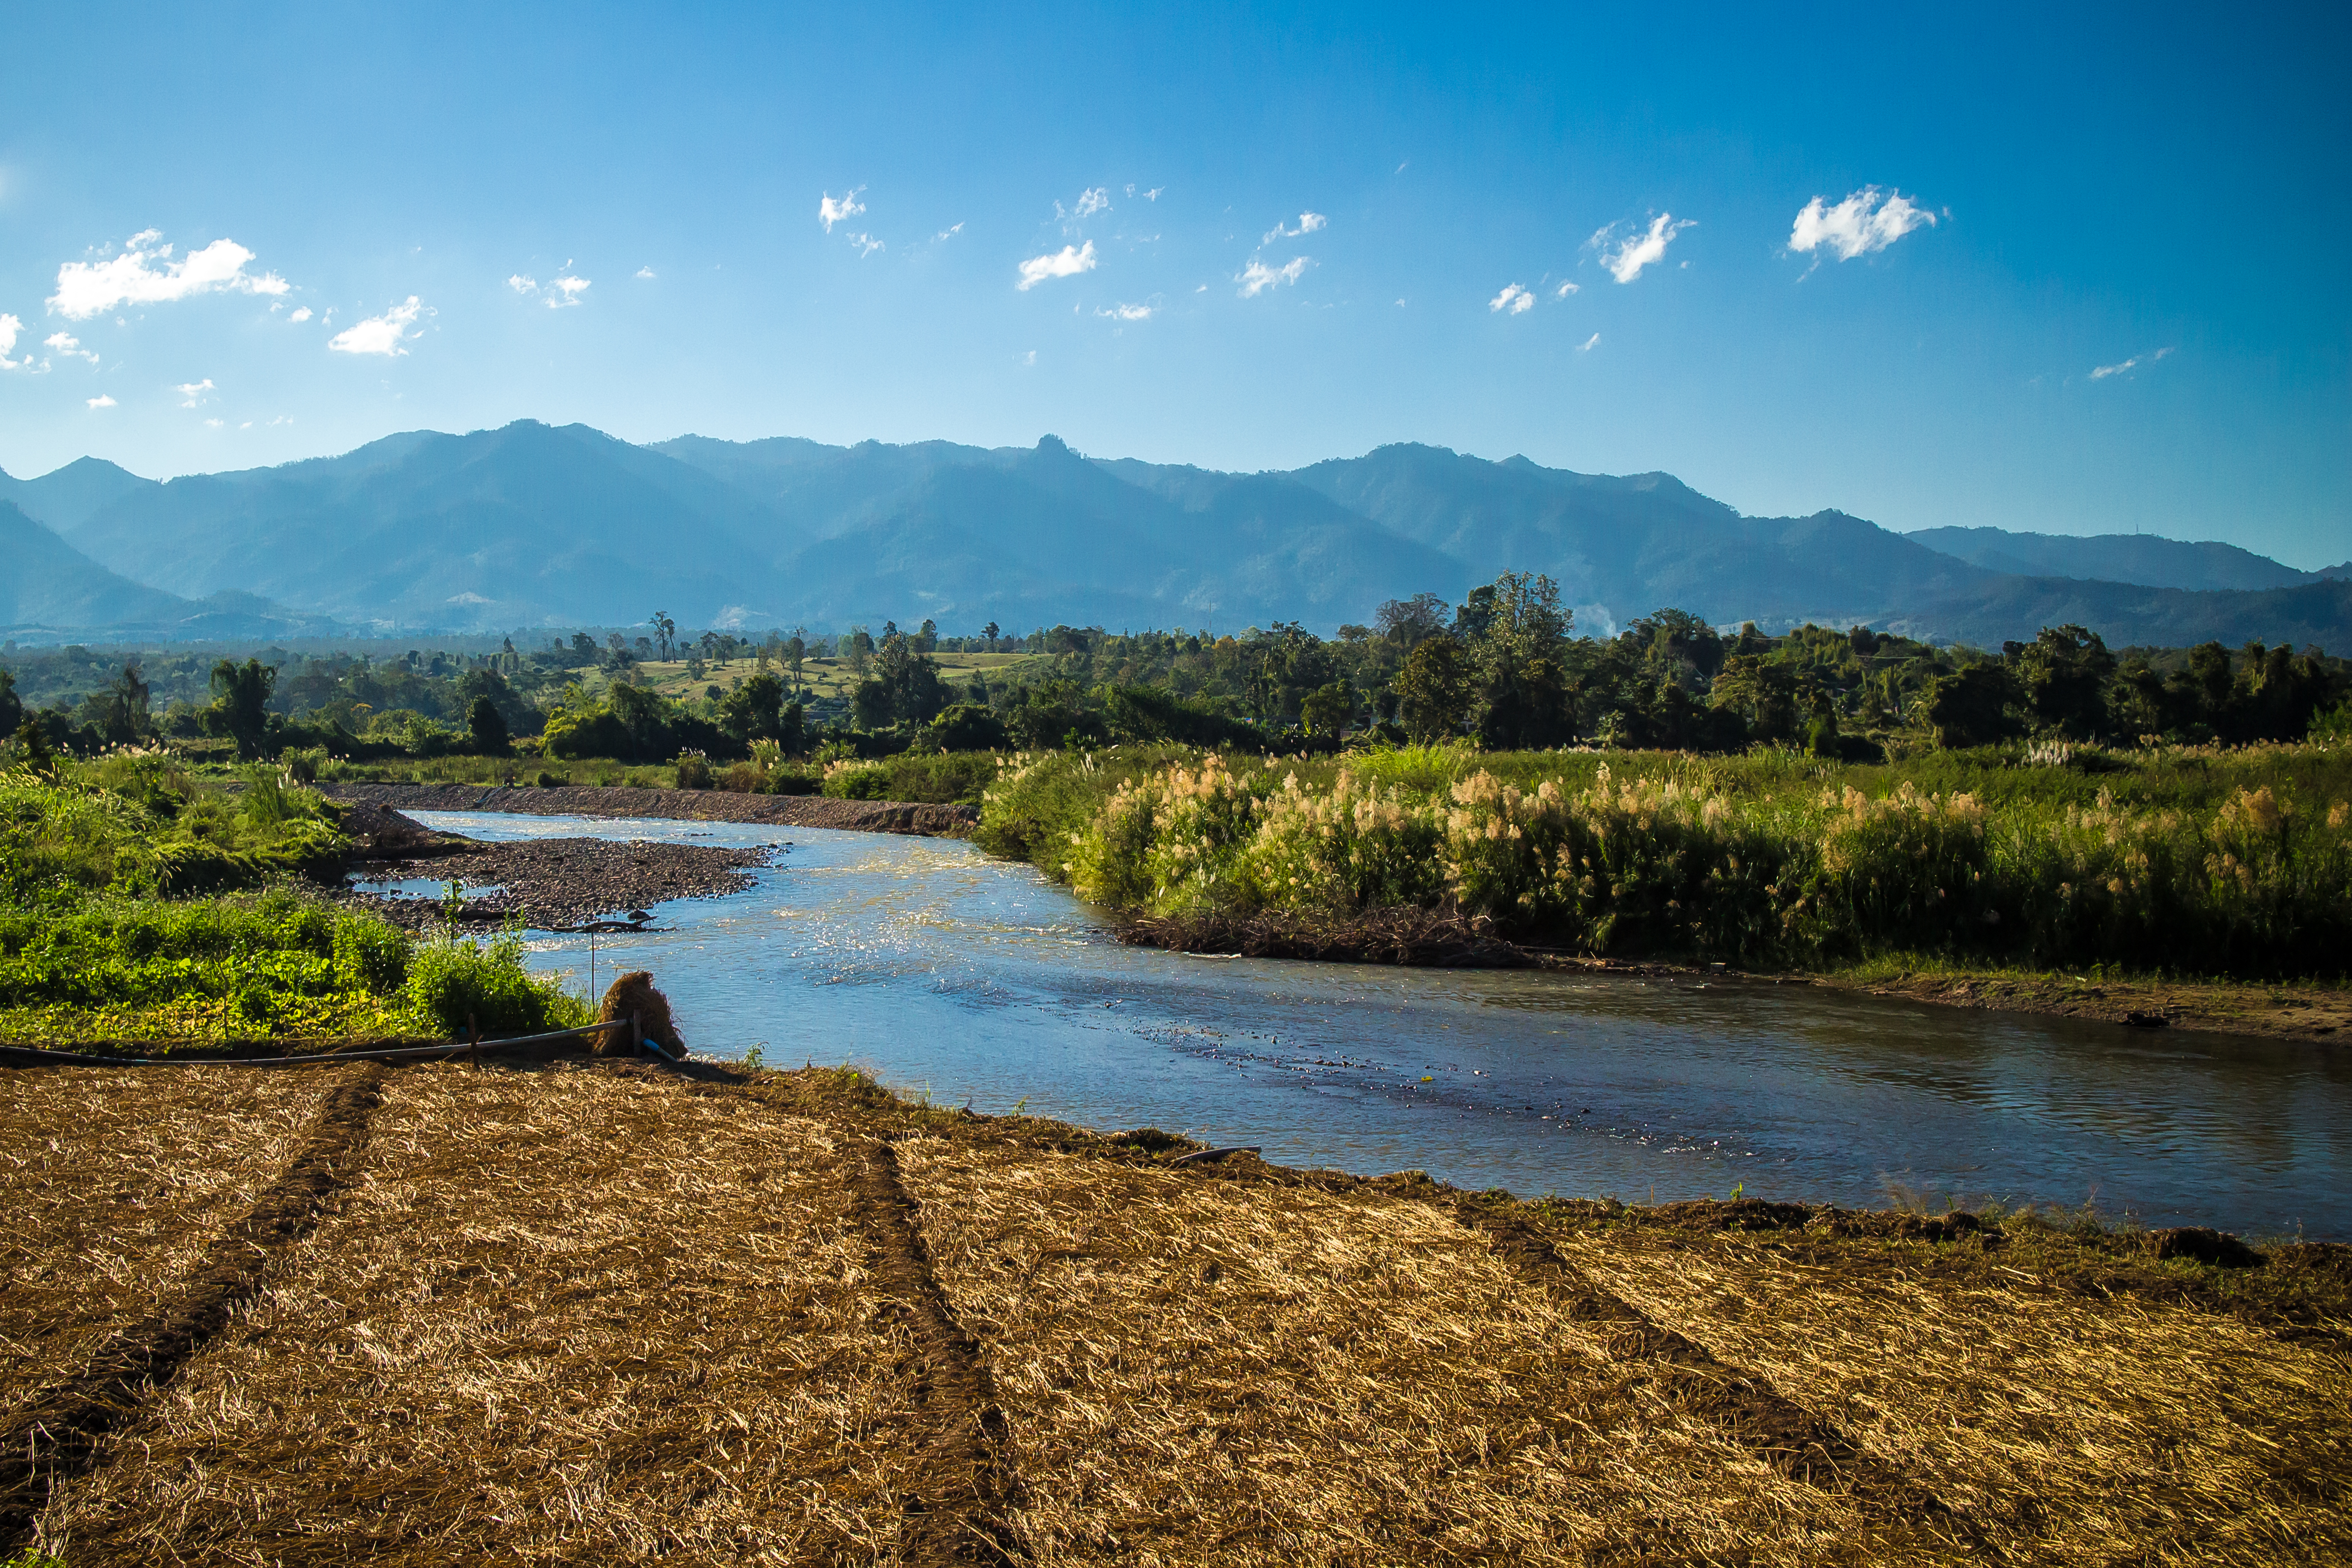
x: 683, y: 805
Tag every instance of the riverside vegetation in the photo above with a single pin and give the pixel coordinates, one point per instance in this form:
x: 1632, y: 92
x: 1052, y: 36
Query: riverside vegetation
x: 138, y: 904
x: 2207, y: 861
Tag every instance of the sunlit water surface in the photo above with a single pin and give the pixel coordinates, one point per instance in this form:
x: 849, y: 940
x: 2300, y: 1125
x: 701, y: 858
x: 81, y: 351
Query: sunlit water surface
x: 944, y: 972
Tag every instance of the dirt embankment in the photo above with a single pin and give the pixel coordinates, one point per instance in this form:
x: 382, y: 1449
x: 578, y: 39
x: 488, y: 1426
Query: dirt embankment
x: 2278, y: 1012
x: 595, y: 1312
x: 680, y: 805
x: 1439, y: 940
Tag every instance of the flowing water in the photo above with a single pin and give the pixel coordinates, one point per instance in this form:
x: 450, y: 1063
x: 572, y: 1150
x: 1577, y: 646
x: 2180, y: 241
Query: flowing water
x: 941, y: 971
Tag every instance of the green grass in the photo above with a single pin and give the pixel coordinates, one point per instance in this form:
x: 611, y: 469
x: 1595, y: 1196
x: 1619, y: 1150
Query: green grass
x: 2202, y: 861
x: 102, y: 938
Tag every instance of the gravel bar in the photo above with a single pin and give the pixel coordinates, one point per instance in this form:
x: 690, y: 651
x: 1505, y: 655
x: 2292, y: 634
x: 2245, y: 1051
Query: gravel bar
x: 559, y: 883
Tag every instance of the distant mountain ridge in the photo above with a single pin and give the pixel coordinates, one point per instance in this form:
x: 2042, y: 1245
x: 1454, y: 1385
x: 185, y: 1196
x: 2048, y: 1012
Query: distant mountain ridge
x: 530, y: 524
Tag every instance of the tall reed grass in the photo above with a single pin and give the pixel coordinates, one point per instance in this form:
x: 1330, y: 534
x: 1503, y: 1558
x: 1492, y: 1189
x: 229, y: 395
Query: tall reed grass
x: 2236, y: 863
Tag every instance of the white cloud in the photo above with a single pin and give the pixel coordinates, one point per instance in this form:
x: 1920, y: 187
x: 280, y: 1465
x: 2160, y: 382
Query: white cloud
x: 1307, y: 224
x: 523, y: 285
x: 1130, y: 312
x: 645, y: 272
x: 1565, y: 289
x: 145, y: 274
x: 1153, y: 193
x: 830, y: 212
x: 195, y: 392
x: 9, y: 327
x: 300, y: 314
x: 1067, y: 262
x: 1092, y: 201
x: 1029, y: 358
x: 1638, y: 250
x: 566, y: 291
x: 380, y: 334
x: 2102, y: 372
x: 948, y: 233
x: 1513, y: 299
x: 101, y: 401
x: 866, y: 244
x: 1861, y: 224
x: 1586, y: 346
x: 212, y: 424
x: 68, y: 346
x: 1258, y: 276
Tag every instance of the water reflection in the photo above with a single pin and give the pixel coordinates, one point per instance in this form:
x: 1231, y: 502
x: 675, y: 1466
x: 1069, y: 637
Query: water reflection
x: 944, y: 972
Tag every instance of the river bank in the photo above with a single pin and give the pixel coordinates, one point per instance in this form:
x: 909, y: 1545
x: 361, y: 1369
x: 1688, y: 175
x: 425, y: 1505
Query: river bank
x: 1413, y: 937
x: 770, y: 1318
x: 920, y: 818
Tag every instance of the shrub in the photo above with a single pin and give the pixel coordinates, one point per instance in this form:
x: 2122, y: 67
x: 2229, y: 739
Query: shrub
x: 694, y: 770
x: 451, y: 979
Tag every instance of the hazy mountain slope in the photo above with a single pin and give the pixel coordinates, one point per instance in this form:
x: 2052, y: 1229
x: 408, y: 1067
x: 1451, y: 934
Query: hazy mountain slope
x: 529, y: 524
x: 2314, y: 613
x: 498, y: 527
x: 1028, y: 538
x: 2142, y: 559
x: 63, y: 498
x: 45, y: 582
x: 814, y: 491
x: 1624, y: 547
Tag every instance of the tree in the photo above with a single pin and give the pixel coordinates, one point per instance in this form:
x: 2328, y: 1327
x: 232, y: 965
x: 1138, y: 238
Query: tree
x: 1763, y: 694
x: 926, y: 639
x: 989, y: 632
x: 665, y: 630
x: 120, y: 712
x: 240, y: 705
x: 12, y: 707
x: 1329, y: 709
x: 485, y: 728
x: 1517, y: 635
x: 1972, y: 707
x: 754, y: 710
x: 795, y: 652
x: 2065, y: 674
x: 1406, y: 622
x: 1434, y: 690
x: 857, y: 648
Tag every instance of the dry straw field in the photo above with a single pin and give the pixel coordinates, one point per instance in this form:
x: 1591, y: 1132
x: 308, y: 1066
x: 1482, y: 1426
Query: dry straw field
x: 589, y: 1313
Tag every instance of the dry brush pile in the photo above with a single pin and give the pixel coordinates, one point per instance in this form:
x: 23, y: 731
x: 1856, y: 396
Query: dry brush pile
x: 598, y: 1314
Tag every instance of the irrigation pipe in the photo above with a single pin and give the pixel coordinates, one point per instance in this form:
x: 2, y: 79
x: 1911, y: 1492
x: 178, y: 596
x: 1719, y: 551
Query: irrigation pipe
x: 397, y: 1052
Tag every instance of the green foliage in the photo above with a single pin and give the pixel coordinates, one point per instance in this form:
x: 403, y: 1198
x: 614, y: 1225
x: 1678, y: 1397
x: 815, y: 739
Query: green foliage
x: 485, y: 728
x: 967, y: 727
x: 240, y: 707
x: 937, y: 777
x: 2231, y: 863
x: 135, y: 822
x: 452, y: 979
x: 244, y: 967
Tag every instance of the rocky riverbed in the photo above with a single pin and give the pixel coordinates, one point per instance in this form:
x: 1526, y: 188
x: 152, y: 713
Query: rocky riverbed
x: 555, y: 883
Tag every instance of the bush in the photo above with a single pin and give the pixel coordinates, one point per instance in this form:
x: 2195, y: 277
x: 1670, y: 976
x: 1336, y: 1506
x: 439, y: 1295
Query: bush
x: 452, y: 979
x: 1770, y: 860
x: 693, y: 771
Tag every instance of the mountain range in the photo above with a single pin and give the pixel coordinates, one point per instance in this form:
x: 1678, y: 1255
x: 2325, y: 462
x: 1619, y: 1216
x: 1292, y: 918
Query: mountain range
x: 537, y: 526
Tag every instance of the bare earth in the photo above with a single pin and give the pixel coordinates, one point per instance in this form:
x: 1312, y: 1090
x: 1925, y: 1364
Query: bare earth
x: 586, y: 1313
x: 685, y: 804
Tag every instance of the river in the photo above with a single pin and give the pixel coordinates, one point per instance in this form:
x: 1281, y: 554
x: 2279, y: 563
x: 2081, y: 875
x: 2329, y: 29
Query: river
x: 943, y: 971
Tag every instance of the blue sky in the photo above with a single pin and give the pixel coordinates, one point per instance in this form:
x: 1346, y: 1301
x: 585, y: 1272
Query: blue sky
x: 2077, y: 273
